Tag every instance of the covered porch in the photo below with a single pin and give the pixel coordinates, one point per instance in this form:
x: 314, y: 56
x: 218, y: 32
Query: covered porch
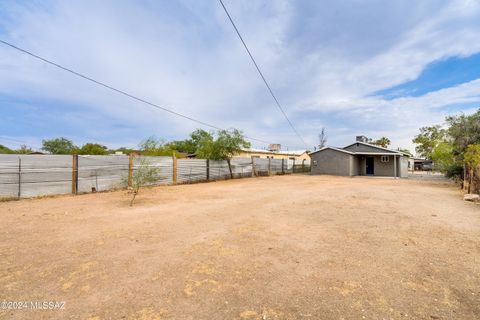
x: 380, y: 164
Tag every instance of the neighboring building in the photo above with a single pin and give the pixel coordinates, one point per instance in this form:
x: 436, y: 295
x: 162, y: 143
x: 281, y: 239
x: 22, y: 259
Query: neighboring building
x: 360, y: 159
x: 422, y: 164
x: 275, y: 147
x: 300, y: 156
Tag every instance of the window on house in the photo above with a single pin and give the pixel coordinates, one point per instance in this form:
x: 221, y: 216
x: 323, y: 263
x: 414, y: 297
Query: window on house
x: 314, y: 162
x: 385, y: 159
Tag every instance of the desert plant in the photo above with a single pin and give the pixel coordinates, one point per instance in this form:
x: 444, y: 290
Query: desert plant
x: 59, y: 146
x: 143, y: 175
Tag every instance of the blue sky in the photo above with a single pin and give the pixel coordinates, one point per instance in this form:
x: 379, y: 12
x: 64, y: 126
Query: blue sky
x: 375, y: 68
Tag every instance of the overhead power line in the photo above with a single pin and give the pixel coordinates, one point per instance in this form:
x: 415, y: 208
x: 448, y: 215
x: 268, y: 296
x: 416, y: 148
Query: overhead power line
x: 78, y: 74
x: 10, y: 139
x: 261, y: 74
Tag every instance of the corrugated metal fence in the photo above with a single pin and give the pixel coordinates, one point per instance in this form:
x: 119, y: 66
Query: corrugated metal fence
x: 23, y: 176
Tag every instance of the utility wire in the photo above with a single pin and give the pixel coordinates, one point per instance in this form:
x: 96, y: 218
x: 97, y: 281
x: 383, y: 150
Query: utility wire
x: 10, y: 139
x: 261, y: 74
x: 78, y: 74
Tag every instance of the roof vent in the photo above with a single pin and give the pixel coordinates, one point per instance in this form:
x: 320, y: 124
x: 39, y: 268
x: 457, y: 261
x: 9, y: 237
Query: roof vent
x: 362, y: 139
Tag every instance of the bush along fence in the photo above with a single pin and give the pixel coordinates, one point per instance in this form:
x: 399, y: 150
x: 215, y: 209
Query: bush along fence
x: 24, y: 176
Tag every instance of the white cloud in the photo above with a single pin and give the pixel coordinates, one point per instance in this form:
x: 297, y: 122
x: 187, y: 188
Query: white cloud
x: 323, y: 59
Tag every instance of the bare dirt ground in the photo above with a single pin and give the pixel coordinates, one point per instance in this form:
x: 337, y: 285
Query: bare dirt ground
x: 284, y: 247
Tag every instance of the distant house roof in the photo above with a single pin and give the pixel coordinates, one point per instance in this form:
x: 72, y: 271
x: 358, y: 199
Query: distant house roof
x: 283, y: 152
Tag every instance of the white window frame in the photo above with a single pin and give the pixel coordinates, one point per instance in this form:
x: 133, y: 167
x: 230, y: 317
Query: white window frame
x: 385, y: 159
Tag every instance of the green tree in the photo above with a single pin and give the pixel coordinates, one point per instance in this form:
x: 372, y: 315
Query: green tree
x: 463, y: 131
x: 151, y: 146
x: 227, y: 144
x: 157, y: 147
x: 24, y: 150
x: 183, y: 146
x: 59, y: 146
x: 383, y: 142
x: 472, y: 161
x: 93, y: 149
x: 428, y: 139
x: 405, y: 151
x: 4, y: 149
x: 190, y: 146
x: 444, y: 158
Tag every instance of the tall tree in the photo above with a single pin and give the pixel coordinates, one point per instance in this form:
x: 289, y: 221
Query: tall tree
x: 24, y: 150
x: 428, y: 139
x: 452, y: 149
x: 443, y: 157
x: 93, y: 149
x: 151, y: 146
x: 472, y: 162
x: 322, y: 139
x: 383, y: 142
x: 464, y: 130
x: 191, y: 145
x: 59, y: 146
x: 404, y: 150
x: 4, y: 149
x: 156, y: 147
x: 227, y: 144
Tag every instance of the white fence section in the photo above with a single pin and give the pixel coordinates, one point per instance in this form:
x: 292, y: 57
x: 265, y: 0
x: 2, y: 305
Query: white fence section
x: 163, y: 164
x: 191, y: 170
x: 101, y: 172
x: 34, y: 175
x: 39, y: 175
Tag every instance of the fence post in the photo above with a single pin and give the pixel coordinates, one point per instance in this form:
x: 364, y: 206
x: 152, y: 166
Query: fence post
x: 283, y: 165
x: 303, y: 165
x: 130, y: 169
x: 74, y: 173
x: 253, y: 167
x: 19, y: 177
x: 174, y: 177
x: 208, y: 169
x: 269, y: 166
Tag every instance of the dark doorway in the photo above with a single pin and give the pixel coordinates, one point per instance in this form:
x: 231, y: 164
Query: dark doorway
x: 370, y: 170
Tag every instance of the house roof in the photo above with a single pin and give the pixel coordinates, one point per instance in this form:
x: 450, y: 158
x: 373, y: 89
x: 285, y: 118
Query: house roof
x: 390, y: 152
x: 333, y: 148
x: 370, y: 145
x: 378, y: 147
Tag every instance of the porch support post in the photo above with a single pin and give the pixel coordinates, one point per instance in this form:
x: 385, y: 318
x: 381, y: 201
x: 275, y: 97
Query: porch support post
x: 395, y: 166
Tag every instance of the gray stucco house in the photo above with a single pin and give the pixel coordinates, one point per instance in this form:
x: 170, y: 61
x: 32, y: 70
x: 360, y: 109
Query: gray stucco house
x: 360, y: 159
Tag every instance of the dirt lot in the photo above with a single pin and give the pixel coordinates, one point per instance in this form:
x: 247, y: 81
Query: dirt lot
x: 285, y: 247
